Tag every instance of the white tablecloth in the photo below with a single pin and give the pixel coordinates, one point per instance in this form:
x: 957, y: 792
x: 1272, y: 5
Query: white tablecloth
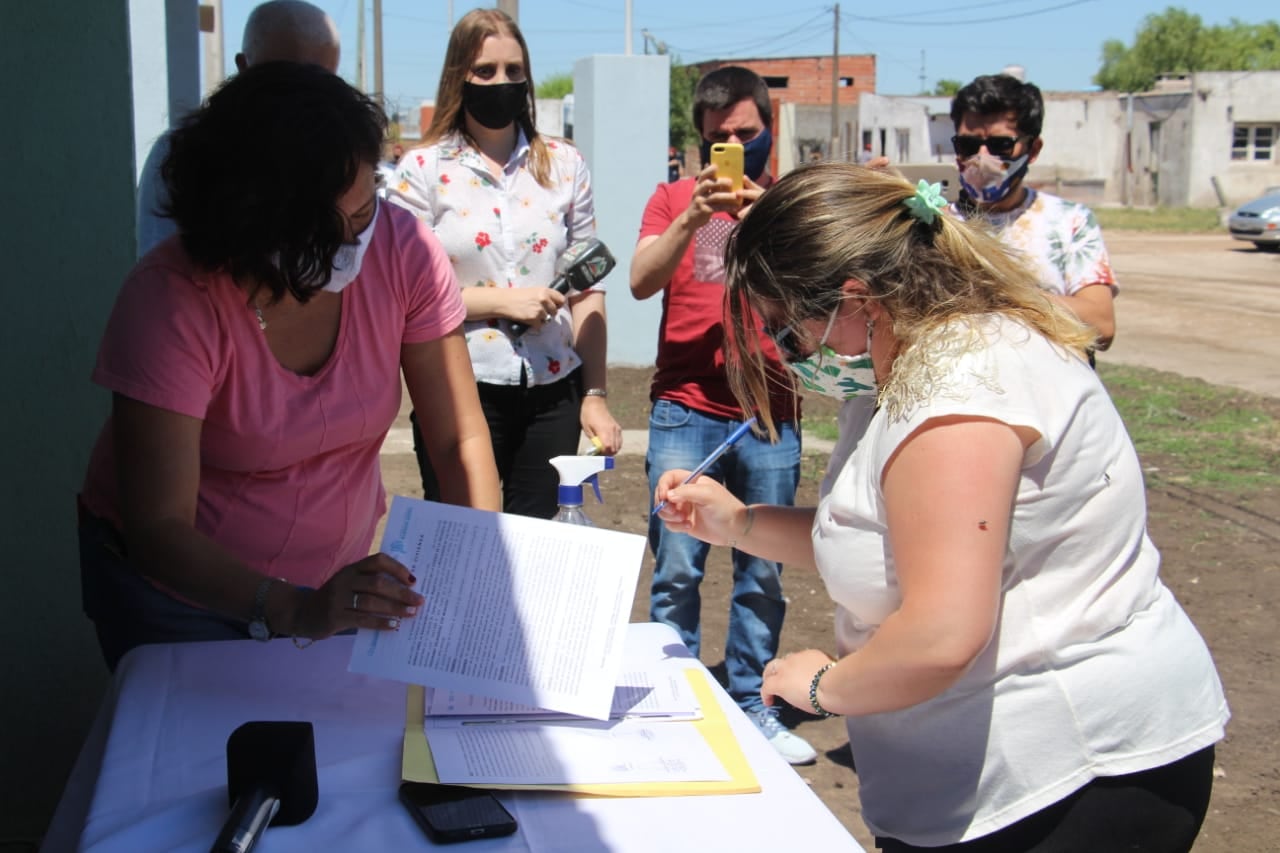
x: 152, y: 774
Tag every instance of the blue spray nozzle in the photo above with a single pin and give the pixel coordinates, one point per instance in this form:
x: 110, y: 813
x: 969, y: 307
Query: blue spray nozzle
x: 576, y: 470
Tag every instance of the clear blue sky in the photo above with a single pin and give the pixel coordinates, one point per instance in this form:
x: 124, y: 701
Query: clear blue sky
x: 1058, y: 41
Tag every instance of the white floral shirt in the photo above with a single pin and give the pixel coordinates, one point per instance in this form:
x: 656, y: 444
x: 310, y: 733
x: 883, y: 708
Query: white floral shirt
x: 503, y: 231
x: 1061, y: 239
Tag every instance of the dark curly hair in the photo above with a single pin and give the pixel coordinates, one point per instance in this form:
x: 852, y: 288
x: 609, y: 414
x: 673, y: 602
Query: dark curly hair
x: 993, y: 94
x: 254, y: 176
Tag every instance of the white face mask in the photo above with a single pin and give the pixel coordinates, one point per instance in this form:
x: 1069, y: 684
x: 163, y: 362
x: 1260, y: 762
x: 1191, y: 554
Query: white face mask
x: 346, y: 263
x: 831, y: 374
x: 988, y: 179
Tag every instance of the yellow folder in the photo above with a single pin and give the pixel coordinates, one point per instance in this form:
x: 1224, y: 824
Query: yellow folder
x: 418, y: 766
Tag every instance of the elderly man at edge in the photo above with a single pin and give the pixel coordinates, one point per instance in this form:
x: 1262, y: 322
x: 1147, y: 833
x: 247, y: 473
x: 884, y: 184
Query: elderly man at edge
x: 277, y: 31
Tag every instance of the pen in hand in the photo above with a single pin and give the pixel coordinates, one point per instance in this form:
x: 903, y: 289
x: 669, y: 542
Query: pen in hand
x: 715, y: 454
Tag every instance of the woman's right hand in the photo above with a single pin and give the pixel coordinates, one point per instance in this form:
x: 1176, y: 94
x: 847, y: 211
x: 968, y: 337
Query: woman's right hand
x: 376, y: 592
x: 533, y: 306
x: 704, y: 508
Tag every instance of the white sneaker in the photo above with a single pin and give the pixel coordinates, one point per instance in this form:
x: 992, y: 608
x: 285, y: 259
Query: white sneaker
x: 793, y: 748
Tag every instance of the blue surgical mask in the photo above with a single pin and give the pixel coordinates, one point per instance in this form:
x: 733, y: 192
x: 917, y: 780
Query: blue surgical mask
x: 755, y: 154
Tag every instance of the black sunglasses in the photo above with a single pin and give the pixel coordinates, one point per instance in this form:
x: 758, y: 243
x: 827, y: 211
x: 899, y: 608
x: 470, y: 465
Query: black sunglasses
x: 998, y: 146
x: 787, y: 342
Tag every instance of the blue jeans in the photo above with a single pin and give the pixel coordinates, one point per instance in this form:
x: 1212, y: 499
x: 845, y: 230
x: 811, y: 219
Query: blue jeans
x: 755, y: 471
x: 126, y: 609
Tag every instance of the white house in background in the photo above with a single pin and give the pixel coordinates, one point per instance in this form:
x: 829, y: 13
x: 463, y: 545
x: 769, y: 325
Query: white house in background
x: 1207, y: 139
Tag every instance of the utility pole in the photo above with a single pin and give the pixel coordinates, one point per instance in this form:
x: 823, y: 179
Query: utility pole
x: 377, y: 52
x: 835, y: 86
x: 924, y: 88
x: 360, y: 46
x: 512, y: 8
x: 210, y: 17
x: 626, y: 34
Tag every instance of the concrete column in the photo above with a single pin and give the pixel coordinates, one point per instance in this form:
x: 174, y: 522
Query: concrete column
x: 621, y: 126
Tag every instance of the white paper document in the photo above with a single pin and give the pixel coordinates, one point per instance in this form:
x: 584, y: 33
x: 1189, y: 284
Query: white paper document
x: 581, y: 752
x: 517, y: 609
x: 655, y: 695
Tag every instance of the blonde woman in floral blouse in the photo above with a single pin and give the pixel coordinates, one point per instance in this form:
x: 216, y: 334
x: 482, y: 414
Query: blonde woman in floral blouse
x: 506, y: 203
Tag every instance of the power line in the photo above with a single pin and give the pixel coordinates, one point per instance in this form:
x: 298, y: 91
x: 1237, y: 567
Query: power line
x: 815, y: 26
x: 899, y: 22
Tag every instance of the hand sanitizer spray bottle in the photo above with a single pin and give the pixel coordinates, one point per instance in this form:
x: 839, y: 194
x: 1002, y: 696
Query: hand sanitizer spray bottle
x: 574, y: 471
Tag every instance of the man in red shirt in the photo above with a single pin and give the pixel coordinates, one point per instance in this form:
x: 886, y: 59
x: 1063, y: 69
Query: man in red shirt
x: 681, y: 255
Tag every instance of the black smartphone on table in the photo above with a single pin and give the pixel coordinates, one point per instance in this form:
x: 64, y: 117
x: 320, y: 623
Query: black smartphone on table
x: 449, y: 813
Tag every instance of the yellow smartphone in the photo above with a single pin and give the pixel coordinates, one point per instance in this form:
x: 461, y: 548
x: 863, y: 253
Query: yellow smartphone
x: 727, y: 158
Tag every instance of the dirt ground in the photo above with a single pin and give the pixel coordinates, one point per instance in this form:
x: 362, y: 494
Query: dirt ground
x: 1202, y: 306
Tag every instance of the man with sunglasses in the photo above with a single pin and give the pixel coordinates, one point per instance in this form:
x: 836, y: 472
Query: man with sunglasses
x: 998, y: 119
x: 680, y: 254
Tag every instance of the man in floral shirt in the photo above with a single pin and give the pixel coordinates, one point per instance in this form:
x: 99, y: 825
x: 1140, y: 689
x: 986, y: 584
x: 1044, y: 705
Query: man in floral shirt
x: 998, y: 120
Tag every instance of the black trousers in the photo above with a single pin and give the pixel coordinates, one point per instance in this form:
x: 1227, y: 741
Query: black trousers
x: 528, y: 426
x: 1154, y: 811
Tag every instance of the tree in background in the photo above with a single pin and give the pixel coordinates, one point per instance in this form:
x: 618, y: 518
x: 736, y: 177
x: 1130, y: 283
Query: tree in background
x: 947, y: 88
x: 1176, y: 41
x: 682, y: 133
x: 683, y: 80
x: 555, y: 86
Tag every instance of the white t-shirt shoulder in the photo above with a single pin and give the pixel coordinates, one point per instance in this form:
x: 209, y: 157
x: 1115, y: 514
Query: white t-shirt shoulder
x: 1094, y: 669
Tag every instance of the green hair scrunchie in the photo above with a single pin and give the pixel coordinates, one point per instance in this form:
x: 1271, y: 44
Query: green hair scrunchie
x: 927, y: 202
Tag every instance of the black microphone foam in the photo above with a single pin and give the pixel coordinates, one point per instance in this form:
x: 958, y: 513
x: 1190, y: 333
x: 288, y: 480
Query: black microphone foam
x: 279, y: 756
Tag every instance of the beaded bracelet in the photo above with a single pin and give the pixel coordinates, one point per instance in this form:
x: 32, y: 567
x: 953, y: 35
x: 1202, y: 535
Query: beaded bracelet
x: 813, y: 692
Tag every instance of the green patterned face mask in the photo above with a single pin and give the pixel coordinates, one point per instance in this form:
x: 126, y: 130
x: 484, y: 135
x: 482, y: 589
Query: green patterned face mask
x: 834, y: 375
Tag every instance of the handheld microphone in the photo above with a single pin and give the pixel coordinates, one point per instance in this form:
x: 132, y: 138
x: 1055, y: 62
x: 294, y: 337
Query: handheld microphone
x: 271, y: 781
x: 583, y: 264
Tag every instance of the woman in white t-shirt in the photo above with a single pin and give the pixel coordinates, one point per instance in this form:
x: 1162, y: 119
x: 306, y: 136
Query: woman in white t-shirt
x: 1013, y: 672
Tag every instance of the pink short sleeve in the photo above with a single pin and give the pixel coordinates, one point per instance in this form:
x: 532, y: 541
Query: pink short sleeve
x: 161, y: 345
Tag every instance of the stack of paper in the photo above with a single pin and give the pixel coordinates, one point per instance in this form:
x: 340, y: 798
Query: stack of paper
x: 650, y: 736
x: 522, y: 641
x: 517, y: 609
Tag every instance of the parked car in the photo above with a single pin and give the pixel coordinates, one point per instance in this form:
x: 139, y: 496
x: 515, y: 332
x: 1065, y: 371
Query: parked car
x: 1258, y: 221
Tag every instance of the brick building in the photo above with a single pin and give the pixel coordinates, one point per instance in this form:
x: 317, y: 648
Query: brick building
x: 807, y: 79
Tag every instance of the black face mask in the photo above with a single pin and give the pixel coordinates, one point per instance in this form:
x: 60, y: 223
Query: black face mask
x: 497, y: 105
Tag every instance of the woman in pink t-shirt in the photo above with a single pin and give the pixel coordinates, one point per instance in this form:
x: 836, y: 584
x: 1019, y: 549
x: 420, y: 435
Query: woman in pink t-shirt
x: 255, y: 364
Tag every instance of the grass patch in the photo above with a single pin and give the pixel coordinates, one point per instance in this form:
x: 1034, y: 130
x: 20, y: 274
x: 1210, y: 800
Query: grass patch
x: 1186, y: 431
x: 1169, y: 219
x: 1196, y: 434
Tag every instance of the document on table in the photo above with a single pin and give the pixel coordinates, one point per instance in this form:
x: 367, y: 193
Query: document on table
x: 653, y: 695
x: 476, y: 752
x: 517, y: 609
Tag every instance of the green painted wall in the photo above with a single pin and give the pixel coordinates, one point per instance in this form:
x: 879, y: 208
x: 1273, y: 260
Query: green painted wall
x: 66, y: 241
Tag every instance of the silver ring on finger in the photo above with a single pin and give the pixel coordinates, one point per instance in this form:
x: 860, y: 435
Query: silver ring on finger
x: 548, y: 317
x: 355, y: 601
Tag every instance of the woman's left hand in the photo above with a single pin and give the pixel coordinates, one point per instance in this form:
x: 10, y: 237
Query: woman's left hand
x: 598, y: 423
x: 790, y: 676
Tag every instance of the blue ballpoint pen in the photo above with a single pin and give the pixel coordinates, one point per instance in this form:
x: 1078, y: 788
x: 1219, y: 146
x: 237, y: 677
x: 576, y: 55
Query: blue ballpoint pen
x: 715, y: 454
